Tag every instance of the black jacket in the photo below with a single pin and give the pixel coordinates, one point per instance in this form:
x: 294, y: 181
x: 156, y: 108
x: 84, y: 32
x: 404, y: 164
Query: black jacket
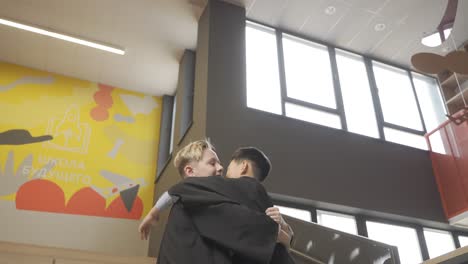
x: 218, y: 220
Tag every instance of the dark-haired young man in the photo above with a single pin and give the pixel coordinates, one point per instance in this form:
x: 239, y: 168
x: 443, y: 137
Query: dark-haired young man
x: 229, y: 213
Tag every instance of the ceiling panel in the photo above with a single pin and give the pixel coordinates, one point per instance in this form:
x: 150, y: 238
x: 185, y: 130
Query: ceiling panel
x: 370, y: 5
x: 297, y: 13
x: 352, y: 26
x: 320, y: 24
x: 114, y: 71
x: 370, y: 38
x: 60, y: 56
x: 267, y: 11
x: 460, y: 29
x: 31, y: 55
x: 400, y: 10
x: 88, y: 63
x: 8, y: 44
x: 349, y: 26
x: 153, y: 32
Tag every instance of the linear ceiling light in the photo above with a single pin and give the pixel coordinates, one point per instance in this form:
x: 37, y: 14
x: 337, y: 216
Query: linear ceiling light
x: 61, y: 36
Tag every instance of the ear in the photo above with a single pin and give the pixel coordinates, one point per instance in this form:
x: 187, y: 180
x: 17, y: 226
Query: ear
x: 244, y: 167
x: 188, y: 170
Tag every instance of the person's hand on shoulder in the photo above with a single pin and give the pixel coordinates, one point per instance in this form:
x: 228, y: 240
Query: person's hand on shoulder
x: 275, y: 214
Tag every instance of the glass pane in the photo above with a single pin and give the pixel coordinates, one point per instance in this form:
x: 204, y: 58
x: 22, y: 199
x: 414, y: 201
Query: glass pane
x: 437, y: 143
x: 174, y: 108
x: 396, y: 96
x: 430, y: 100
x: 405, y: 138
x: 404, y: 238
x: 342, y: 222
x: 357, y: 97
x: 308, y: 72
x: 296, y: 213
x: 463, y: 241
x: 438, y: 242
x: 313, y: 116
x: 263, y: 84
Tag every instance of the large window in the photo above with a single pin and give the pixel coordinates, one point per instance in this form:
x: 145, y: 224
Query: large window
x: 438, y: 242
x: 396, y: 96
x: 308, y: 72
x: 404, y: 238
x: 342, y: 222
x: 301, y: 79
x: 312, y: 115
x: 430, y: 99
x: 405, y: 138
x: 263, y: 83
x: 357, y: 96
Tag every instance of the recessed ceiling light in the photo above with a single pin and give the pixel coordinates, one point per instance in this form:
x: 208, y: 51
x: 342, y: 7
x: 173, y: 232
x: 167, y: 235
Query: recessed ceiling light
x: 330, y: 10
x: 432, y: 40
x: 62, y: 36
x: 379, y: 27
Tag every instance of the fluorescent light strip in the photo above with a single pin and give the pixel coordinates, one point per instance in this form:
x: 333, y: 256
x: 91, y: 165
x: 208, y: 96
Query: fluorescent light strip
x: 63, y: 37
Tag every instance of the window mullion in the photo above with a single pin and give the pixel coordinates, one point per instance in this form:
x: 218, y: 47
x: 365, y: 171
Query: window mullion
x: 282, y: 73
x: 422, y: 243
x: 417, y: 102
x: 375, y: 97
x: 336, y: 85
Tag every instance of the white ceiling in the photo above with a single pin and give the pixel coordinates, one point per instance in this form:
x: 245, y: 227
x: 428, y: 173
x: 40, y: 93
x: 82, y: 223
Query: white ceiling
x: 352, y: 25
x: 154, y: 33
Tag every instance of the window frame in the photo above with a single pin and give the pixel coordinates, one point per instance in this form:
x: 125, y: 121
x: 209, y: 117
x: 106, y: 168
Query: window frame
x: 336, y: 214
x: 340, y: 110
x: 362, y: 217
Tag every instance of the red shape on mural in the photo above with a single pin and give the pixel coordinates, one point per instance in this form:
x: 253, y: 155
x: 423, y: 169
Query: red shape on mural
x: 103, y: 99
x: 40, y: 195
x: 99, y: 114
x: 47, y: 196
x: 86, y: 201
x: 117, y: 209
x: 105, y: 87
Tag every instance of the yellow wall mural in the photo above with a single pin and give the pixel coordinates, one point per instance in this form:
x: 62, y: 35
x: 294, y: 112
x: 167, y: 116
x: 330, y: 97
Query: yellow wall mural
x: 76, y: 147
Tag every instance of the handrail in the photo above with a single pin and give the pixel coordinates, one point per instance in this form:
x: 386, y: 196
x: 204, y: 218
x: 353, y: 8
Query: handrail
x: 319, y: 243
x: 306, y: 257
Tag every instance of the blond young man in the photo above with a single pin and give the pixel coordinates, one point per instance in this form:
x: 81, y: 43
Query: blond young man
x: 199, y: 158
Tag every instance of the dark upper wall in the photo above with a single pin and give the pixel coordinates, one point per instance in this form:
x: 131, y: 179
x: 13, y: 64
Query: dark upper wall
x: 196, y: 131
x: 309, y: 161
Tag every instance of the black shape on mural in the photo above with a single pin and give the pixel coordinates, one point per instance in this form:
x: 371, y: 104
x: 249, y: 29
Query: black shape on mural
x: 128, y: 196
x: 21, y: 137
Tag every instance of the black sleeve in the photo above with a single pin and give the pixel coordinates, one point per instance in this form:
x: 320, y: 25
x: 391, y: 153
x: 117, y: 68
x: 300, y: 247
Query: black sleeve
x: 247, y: 233
x: 200, y: 191
x: 222, y: 219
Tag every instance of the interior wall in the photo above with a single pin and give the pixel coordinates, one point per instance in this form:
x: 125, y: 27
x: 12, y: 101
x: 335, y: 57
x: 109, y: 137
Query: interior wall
x: 77, y: 162
x: 196, y: 131
x: 310, y: 161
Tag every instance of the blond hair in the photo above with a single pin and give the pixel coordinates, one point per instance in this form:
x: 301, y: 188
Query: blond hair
x: 192, y: 152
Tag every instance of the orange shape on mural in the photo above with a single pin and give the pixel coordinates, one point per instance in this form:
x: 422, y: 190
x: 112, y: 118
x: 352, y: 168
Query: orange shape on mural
x: 103, y: 99
x: 99, y: 113
x: 86, y: 201
x: 40, y: 195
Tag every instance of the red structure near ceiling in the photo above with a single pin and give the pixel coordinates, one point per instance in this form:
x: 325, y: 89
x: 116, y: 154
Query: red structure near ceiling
x: 448, y: 145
